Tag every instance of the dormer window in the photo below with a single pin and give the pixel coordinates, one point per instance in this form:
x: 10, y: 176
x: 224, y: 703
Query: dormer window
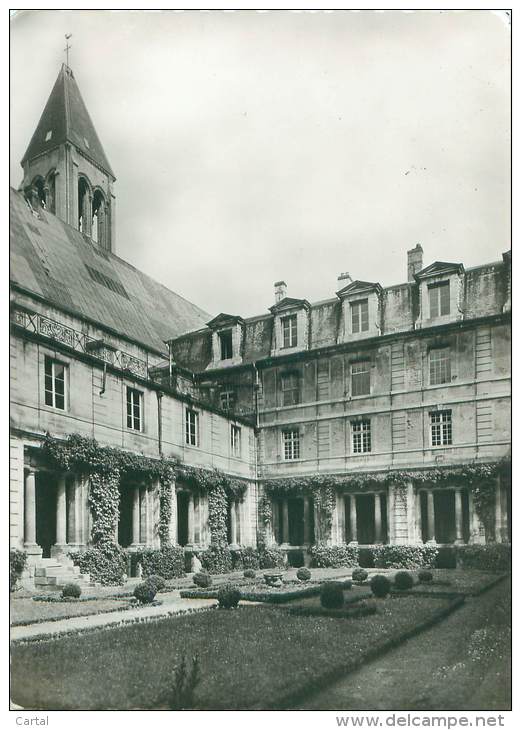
x: 439, y: 299
x: 360, y: 316
x: 226, y: 344
x: 289, y: 331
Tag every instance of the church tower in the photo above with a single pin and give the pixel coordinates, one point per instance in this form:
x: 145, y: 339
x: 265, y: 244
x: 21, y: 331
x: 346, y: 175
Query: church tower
x: 65, y: 167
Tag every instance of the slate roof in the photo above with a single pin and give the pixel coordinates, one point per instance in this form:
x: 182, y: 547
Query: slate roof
x: 53, y: 260
x: 66, y: 117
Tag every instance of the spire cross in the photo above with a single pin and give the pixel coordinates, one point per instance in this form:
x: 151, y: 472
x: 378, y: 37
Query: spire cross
x: 67, y: 47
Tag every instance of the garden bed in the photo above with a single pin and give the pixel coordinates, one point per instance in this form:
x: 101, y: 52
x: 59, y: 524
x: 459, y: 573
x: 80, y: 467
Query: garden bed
x: 285, y: 655
x: 259, y: 592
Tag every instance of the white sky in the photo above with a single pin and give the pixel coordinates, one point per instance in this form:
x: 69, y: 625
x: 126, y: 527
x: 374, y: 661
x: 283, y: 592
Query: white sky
x: 252, y: 147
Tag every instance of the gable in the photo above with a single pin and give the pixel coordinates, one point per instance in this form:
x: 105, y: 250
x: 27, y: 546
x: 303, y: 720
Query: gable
x: 289, y: 303
x: 359, y: 287
x: 439, y: 268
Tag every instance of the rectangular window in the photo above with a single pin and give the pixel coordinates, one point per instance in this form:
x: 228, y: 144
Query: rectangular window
x: 227, y: 400
x: 226, y: 341
x: 235, y: 439
x: 439, y: 299
x: 361, y: 431
x: 291, y: 444
x: 360, y: 316
x: 134, y: 409
x: 289, y: 331
x: 441, y: 428
x: 361, y: 378
x: 439, y: 366
x: 55, y: 383
x: 191, y: 427
x: 290, y: 389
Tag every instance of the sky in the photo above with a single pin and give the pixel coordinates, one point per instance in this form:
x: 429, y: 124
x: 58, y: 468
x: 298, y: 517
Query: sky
x: 253, y: 147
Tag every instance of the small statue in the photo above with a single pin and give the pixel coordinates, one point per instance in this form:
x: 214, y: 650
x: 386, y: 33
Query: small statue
x: 196, y: 564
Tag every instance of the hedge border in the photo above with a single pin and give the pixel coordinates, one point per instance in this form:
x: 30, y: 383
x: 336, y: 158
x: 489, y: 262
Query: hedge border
x: 253, y: 597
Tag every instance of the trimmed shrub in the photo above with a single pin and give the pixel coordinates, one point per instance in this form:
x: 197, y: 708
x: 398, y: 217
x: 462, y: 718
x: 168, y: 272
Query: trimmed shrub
x: 403, y: 580
x: 333, y: 556
x: 331, y: 595
x: 424, y: 576
x: 167, y: 562
x: 228, y: 597
x: 71, y: 590
x: 157, y: 582
x: 405, y: 556
x: 203, y: 580
x: 303, y: 574
x: 494, y: 558
x: 216, y: 560
x: 249, y: 573
x: 106, y: 563
x: 145, y: 592
x: 272, y: 558
x: 245, y: 558
x: 380, y: 586
x: 17, y: 561
x: 359, y: 575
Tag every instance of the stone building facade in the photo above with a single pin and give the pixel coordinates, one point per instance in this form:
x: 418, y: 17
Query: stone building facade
x: 413, y: 378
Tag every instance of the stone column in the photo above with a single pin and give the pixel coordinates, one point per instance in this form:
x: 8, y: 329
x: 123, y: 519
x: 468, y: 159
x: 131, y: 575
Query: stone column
x: 191, y: 520
x: 307, y: 525
x: 233, y: 524
x: 377, y: 518
x: 87, y: 213
x: 352, y: 520
x: 412, y: 535
x: 143, y: 516
x: 172, y: 527
x: 61, y: 515
x: 459, y: 516
x: 418, y: 515
x: 30, y: 510
x: 431, y: 535
x: 71, y: 514
x: 136, y: 522
x: 285, y: 522
x: 477, y: 531
x: 501, y: 529
x: 390, y: 514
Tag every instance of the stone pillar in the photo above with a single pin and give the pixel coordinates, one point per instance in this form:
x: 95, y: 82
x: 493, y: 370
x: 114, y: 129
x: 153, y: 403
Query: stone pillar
x: 172, y: 527
x: 233, y: 525
x: 418, y: 515
x: 378, y: 518
x: 477, y: 531
x: 71, y: 514
x: 136, y: 522
x: 143, y: 516
x: 501, y: 531
x: 61, y: 515
x: 352, y: 520
x: 459, y: 516
x: 191, y: 520
x: 285, y: 522
x: 87, y: 214
x: 390, y: 514
x: 412, y: 535
x: 30, y: 510
x: 431, y: 535
x: 307, y: 524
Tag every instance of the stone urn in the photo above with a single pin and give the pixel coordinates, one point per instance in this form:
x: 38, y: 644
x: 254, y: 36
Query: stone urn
x: 274, y: 580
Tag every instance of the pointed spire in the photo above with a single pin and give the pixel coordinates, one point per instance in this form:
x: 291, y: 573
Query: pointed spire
x: 66, y: 119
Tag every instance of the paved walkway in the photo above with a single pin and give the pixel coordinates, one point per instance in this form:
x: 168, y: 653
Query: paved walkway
x: 171, y: 604
x: 460, y: 664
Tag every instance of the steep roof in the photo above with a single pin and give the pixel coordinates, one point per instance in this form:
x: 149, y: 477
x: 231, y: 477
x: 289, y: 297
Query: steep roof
x: 53, y: 260
x: 66, y: 118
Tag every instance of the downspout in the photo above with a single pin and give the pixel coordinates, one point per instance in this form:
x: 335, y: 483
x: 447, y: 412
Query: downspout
x: 159, y: 422
x: 103, y: 379
x: 256, y: 386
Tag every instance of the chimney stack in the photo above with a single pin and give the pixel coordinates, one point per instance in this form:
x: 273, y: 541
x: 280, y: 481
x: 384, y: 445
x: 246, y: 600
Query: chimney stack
x: 280, y: 291
x: 343, y: 280
x: 414, y: 261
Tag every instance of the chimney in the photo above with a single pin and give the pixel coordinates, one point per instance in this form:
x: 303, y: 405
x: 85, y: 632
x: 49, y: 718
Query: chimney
x: 343, y: 280
x: 280, y: 291
x: 414, y: 261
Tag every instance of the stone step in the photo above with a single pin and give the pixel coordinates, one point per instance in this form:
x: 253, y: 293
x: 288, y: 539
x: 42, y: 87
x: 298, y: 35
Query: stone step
x: 58, y: 581
x: 57, y: 570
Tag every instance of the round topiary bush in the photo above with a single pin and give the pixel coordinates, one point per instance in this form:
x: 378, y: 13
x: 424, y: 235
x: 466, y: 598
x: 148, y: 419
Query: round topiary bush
x: 249, y: 573
x: 359, y: 575
x: 202, y: 579
x: 346, y: 584
x: 331, y: 595
x: 303, y: 574
x: 403, y: 580
x: 228, y: 597
x: 380, y: 586
x: 145, y: 592
x: 157, y: 582
x: 71, y: 590
x: 424, y: 576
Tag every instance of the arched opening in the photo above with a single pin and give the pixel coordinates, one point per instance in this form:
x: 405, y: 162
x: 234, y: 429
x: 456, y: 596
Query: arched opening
x: 38, y: 193
x: 98, y: 219
x: 50, y: 192
x: 84, y: 212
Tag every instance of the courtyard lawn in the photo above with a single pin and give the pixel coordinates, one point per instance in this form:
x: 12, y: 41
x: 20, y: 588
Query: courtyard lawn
x: 468, y: 582
x: 26, y: 611
x: 252, y: 657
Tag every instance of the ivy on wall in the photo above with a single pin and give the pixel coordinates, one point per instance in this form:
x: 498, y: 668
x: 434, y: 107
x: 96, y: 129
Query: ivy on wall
x: 480, y: 479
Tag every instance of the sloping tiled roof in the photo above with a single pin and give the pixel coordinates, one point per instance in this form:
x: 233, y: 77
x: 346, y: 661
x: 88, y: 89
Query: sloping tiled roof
x: 51, y: 259
x: 66, y: 118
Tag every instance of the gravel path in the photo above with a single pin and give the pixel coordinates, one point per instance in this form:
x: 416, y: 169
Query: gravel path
x: 463, y: 663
